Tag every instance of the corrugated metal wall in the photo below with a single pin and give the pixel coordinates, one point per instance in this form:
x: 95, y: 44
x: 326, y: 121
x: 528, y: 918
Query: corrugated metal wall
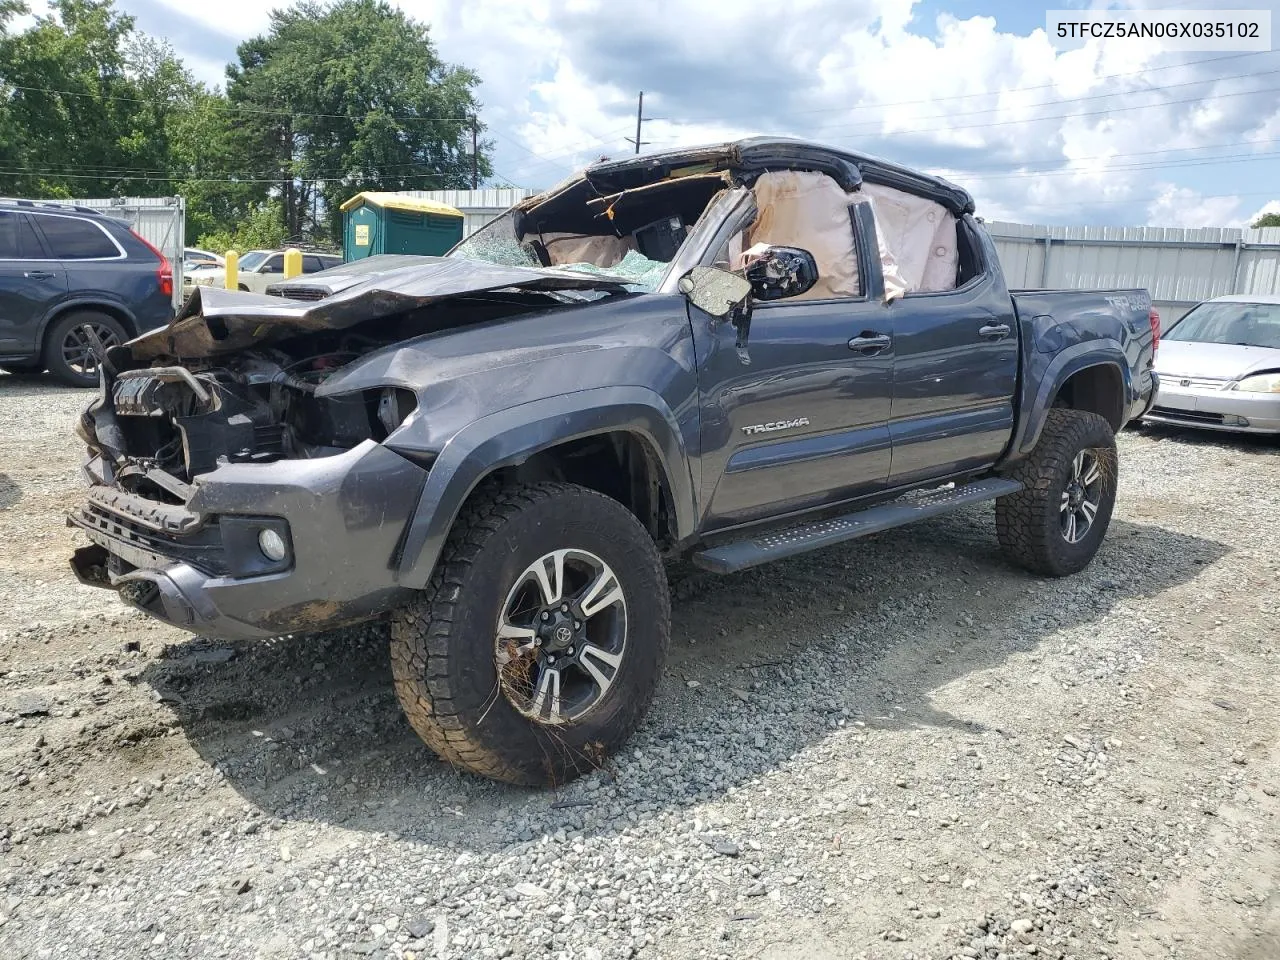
x: 162, y: 221
x: 1179, y: 266
x: 479, y: 206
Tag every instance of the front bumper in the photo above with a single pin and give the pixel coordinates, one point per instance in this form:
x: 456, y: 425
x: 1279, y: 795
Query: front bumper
x: 1211, y: 408
x: 345, y: 516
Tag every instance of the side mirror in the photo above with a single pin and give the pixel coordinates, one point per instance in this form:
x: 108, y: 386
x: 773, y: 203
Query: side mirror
x: 713, y: 291
x: 779, y: 272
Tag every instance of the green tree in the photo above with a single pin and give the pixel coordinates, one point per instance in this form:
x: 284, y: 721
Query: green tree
x: 86, y: 101
x: 1268, y: 220
x: 262, y: 226
x: 349, y: 97
x: 219, y: 184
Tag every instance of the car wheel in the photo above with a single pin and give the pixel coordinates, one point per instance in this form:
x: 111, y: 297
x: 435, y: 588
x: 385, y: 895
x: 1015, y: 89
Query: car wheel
x: 68, y: 350
x: 1056, y: 523
x: 536, y: 648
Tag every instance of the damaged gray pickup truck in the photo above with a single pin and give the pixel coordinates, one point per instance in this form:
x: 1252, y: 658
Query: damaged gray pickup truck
x: 731, y: 355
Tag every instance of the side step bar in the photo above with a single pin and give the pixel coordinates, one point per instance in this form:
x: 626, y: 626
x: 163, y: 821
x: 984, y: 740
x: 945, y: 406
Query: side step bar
x: 742, y: 554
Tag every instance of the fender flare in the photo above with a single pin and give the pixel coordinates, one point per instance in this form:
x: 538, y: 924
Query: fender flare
x: 1066, y: 364
x: 512, y: 436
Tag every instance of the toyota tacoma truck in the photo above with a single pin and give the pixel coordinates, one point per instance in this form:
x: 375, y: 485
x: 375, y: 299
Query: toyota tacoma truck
x: 730, y: 355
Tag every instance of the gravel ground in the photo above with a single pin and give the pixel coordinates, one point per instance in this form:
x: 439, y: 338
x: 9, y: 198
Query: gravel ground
x: 902, y: 748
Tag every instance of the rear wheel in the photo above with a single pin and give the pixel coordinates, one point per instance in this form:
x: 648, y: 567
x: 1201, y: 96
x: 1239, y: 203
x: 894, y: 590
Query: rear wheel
x: 537, y: 646
x: 1056, y: 523
x: 68, y: 350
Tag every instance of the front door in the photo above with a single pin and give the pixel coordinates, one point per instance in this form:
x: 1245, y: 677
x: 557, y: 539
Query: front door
x: 29, y: 284
x: 799, y: 418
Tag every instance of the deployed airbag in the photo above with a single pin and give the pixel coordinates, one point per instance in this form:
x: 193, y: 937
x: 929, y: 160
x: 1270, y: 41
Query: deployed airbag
x: 921, y: 235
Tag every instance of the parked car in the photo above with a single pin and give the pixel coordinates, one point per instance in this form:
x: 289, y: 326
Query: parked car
x: 732, y: 355
x: 257, y: 268
x: 65, y: 268
x: 193, y: 258
x: 1219, y: 367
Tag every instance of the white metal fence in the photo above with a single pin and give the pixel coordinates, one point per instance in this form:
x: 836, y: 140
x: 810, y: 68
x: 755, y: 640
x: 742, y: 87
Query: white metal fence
x: 161, y: 221
x: 1180, y: 266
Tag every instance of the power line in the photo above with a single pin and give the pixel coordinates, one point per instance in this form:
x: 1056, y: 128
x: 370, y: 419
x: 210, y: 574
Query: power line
x: 223, y: 103
x: 993, y: 93
x: 1066, y: 116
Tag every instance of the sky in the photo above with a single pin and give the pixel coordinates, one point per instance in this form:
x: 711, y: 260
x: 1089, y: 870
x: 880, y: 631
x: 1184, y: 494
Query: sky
x: 1113, y: 133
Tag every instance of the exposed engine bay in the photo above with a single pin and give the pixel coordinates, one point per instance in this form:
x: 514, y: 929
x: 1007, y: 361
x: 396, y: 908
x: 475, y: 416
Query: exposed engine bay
x: 161, y: 424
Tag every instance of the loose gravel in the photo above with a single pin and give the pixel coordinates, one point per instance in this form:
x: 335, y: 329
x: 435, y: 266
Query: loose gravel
x: 900, y: 748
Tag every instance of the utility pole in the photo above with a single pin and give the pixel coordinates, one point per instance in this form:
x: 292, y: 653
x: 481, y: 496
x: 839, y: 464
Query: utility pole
x: 640, y: 118
x: 475, y: 153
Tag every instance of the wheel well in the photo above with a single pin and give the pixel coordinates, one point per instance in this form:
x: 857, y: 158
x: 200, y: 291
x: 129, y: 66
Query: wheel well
x: 1098, y: 389
x: 621, y: 465
x: 115, y: 313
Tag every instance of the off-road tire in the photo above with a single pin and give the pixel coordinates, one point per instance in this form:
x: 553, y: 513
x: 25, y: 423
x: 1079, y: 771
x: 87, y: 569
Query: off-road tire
x: 1028, y: 523
x: 53, y: 359
x: 442, y: 643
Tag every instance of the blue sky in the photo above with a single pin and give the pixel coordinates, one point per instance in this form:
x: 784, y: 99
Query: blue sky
x: 971, y: 89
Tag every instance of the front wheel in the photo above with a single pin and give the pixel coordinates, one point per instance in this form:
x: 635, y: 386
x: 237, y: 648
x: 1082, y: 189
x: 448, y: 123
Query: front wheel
x: 1056, y: 523
x: 537, y: 646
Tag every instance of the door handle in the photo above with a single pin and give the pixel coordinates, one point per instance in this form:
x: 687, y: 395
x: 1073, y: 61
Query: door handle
x: 38, y: 275
x: 871, y: 344
x: 993, y: 331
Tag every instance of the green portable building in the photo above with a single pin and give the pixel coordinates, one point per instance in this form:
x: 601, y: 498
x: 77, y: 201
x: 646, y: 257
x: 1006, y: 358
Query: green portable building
x: 378, y: 222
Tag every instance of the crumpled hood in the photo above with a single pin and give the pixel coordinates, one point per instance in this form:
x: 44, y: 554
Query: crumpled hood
x: 216, y: 321
x: 1215, y: 361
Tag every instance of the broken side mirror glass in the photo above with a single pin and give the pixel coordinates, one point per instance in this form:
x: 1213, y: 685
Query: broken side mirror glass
x: 714, y: 291
x: 779, y: 272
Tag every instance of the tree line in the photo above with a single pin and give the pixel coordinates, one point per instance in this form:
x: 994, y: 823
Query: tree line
x: 333, y: 99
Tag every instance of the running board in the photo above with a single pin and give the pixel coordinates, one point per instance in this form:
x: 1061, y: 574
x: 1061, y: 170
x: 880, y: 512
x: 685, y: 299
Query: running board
x: 741, y: 554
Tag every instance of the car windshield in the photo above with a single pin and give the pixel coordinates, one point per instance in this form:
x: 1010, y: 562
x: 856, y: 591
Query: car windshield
x: 253, y: 258
x: 1243, y: 324
x: 625, y: 232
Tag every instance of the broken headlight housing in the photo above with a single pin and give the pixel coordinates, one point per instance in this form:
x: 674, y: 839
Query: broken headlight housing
x: 394, y: 406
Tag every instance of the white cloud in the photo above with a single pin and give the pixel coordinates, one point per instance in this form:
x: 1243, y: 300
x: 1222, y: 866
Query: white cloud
x: 1181, y: 207
x: 1271, y: 206
x: 1026, y: 128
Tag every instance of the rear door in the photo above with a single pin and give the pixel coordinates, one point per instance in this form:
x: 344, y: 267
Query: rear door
x: 955, y: 372
x: 31, y: 283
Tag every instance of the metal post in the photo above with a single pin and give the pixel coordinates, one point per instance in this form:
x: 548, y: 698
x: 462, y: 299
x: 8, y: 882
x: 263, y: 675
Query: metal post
x: 1235, y: 267
x: 231, y: 274
x: 1044, y: 264
x: 639, y: 119
x: 475, y: 154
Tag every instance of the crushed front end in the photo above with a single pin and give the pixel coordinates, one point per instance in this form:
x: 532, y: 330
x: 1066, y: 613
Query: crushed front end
x: 227, y: 498
x: 245, y: 476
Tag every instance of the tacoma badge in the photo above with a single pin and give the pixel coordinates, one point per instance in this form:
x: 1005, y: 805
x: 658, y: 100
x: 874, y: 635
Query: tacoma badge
x: 776, y: 425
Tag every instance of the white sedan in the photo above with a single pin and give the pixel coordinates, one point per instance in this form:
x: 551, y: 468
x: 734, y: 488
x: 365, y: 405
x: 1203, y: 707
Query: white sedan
x: 1219, y: 367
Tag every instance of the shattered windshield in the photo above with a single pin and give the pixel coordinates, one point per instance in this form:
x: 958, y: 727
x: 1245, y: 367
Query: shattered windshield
x: 497, y: 243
